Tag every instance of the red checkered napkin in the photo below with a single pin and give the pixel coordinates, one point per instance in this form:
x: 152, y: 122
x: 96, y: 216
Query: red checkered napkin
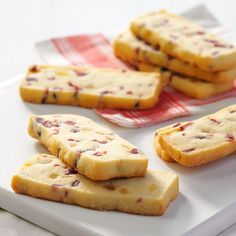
x: 95, y: 50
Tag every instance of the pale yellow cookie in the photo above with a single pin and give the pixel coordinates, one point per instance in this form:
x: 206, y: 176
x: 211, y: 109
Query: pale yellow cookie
x: 45, y: 176
x: 127, y: 46
x: 90, y: 87
x: 190, y: 87
x: 200, y: 141
x: 84, y: 145
x: 185, y: 40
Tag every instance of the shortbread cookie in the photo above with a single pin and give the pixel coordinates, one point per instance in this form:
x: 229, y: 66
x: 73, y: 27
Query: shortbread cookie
x: 185, y: 40
x: 207, y: 139
x: 190, y: 87
x: 45, y: 176
x: 93, y: 150
x: 89, y: 87
x: 127, y: 46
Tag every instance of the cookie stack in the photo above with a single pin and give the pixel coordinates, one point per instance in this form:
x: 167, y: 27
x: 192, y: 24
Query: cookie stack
x: 192, y: 60
x: 86, y: 168
x: 200, y: 141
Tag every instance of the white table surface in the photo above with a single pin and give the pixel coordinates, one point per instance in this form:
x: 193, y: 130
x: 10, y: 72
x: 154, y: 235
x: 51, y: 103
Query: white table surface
x: 22, y: 23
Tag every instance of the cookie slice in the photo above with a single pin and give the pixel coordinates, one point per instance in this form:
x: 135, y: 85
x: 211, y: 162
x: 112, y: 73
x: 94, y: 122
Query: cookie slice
x: 207, y: 139
x: 185, y: 40
x: 93, y: 150
x: 90, y: 87
x: 128, y: 47
x: 45, y: 176
x: 194, y: 88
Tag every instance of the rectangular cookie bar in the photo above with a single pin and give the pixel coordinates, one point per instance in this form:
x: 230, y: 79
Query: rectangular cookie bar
x: 127, y: 46
x: 190, y: 87
x: 90, y: 87
x: 45, y: 176
x: 185, y: 40
x: 207, y: 139
x: 93, y: 150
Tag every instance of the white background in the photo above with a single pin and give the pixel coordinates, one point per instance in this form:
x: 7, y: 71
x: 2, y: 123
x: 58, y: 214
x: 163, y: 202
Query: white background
x: 24, y: 22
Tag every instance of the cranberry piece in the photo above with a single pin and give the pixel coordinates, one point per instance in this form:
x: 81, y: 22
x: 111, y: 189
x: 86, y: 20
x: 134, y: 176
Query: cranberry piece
x: 200, y: 137
x: 232, y: 111
x: 230, y: 137
x: 39, y: 133
x: 73, y: 140
x: 34, y: 69
x: 215, y: 121
x: 70, y: 171
x: 110, y: 187
x: 51, y: 78
x: 56, y: 165
x: 139, y: 200
x: 201, y: 32
x: 129, y: 92
x: 136, y: 105
x: 80, y: 73
x: 100, y: 141
x: 54, y: 95
x: 123, y: 71
x: 121, y: 87
x: 183, y: 127
x: 74, y: 130
x: 55, y: 187
x: 55, y: 131
x: 30, y: 79
x: 176, y: 125
x: 189, y: 150
x: 75, y: 183
x: 45, y: 96
x: 134, y: 151
x: 106, y: 92
x: 76, y: 87
x: 70, y: 122
x: 98, y: 154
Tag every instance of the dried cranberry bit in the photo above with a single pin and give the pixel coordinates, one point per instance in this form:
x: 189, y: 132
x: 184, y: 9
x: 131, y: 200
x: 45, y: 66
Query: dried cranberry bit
x: 216, y: 43
x: 57, y: 88
x: 75, y: 183
x: 39, y: 120
x: 54, y: 96
x: 121, y: 87
x: 189, y: 150
x: 80, y: 72
x: 129, y: 92
x: 70, y: 122
x: 123, y: 71
x: 39, y: 133
x: 134, y: 151
x: 200, y: 137
x: 51, y: 78
x: 176, y: 125
x: 73, y: 140
x: 233, y: 111
x: 106, y: 92
x: 74, y: 130
x: 230, y: 137
x: 56, y: 165
x: 98, y: 154
x: 45, y: 96
x: 201, y: 32
x: 70, y: 171
x: 139, y: 200
x: 136, y: 105
x: 183, y: 127
x: 76, y: 87
x: 100, y: 141
x: 215, y: 121
x: 55, y: 131
x: 34, y: 69
x: 30, y: 79
x: 110, y: 187
x: 55, y: 187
